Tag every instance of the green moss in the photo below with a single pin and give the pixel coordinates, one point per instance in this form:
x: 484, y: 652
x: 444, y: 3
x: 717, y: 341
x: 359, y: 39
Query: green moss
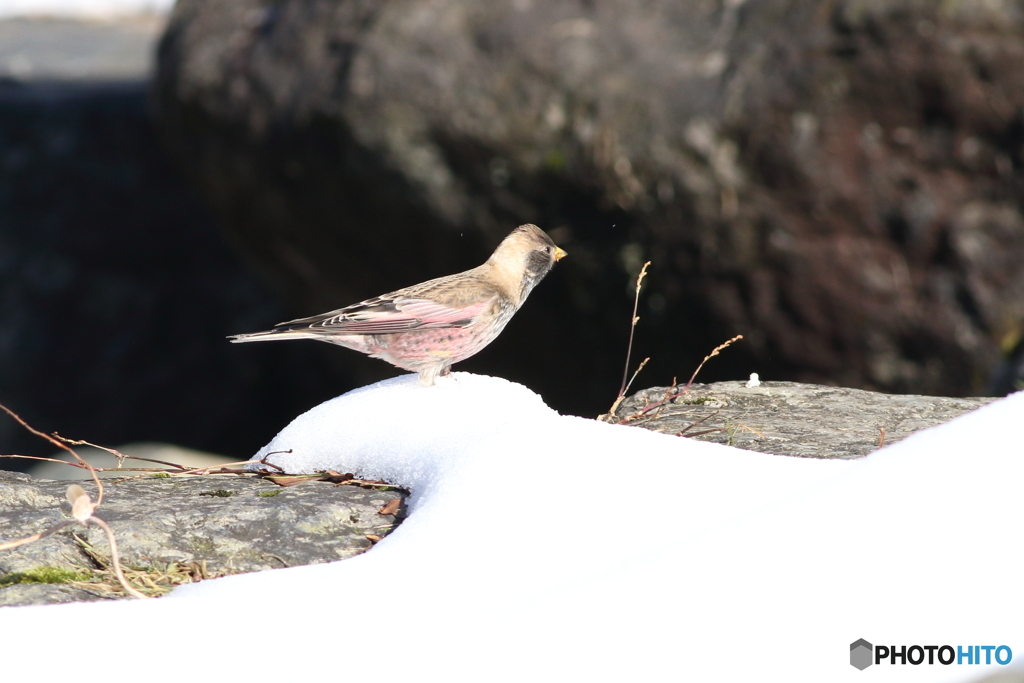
x: 219, y: 493
x: 161, y: 475
x: 268, y: 494
x: 202, y: 545
x: 43, y: 575
x: 698, y: 401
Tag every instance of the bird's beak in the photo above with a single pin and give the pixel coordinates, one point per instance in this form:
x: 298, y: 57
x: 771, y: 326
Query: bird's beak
x: 559, y: 254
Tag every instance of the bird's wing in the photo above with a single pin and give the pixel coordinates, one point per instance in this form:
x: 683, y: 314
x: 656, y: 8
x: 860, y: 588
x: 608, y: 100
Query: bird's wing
x: 383, y: 315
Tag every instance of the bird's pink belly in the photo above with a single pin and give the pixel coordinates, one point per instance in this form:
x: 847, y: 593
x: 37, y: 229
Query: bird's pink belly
x: 416, y: 349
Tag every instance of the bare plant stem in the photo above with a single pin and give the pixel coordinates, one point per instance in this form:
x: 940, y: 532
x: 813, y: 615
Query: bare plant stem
x: 222, y: 468
x: 715, y: 352
x: 82, y: 508
x: 113, y: 451
x: 670, y: 394
x: 638, y: 369
x: 10, y: 545
x: 622, y: 393
x: 703, y: 419
x: 632, y: 330
x: 61, y: 445
x: 116, y: 562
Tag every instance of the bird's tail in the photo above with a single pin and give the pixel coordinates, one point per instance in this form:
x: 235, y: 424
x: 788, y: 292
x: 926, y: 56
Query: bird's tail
x: 271, y: 335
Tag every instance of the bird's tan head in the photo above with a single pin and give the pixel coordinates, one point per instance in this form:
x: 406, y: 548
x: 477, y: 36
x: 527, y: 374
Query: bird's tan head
x: 523, y: 259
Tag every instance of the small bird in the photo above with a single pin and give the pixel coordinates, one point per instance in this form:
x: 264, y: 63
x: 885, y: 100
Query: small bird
x: 429, y: 327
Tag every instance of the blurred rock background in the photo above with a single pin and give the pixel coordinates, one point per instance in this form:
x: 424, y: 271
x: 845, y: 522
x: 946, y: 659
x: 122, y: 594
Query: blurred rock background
x: 116, y: 288
x: 837, y: 180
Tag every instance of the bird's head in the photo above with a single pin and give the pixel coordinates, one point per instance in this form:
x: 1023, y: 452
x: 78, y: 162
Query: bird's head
x: 523, y: 259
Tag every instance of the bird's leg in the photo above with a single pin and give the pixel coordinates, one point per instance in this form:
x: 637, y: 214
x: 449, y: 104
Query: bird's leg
x: 428, y: 375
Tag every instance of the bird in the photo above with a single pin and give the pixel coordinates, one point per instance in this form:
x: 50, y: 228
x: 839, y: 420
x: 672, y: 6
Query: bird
x: 427, y: 328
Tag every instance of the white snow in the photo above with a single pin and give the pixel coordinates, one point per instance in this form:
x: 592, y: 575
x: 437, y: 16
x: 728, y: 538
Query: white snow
x: 543, y: 547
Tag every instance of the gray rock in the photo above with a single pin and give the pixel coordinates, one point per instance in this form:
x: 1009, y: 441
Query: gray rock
x: 234, y: 524
x: 837, y: 180
x: 787, y: 418
x: 44, y: 594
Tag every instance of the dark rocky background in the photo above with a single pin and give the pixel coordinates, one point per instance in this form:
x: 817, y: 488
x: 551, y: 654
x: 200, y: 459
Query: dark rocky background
x: 838, y: 180
x: 116, y: 289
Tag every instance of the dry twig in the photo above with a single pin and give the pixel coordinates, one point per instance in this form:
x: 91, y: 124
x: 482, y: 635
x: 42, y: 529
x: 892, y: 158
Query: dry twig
x: 59, y: 443
x: 629, y: 348
x: 718, y: 349
x: 82, y: 507
x: 672, y: 393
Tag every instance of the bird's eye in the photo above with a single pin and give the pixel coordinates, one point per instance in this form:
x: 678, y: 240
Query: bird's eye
x: 548, y: 250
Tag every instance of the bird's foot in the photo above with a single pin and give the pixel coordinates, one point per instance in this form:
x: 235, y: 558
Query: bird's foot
x: 428, y: 377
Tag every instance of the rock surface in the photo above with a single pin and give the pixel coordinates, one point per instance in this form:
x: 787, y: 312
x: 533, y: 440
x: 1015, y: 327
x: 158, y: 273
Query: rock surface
x: 788, y: 418
x: 232, y: 523
x: 837, y: 180
x: 44, y: 594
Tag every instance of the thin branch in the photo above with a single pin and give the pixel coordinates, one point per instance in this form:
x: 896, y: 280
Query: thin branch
x: 638, y: 369
x: 706, y: 417
x: 672, y: 395
x: 226, y: 465
x: 42, y: 459
x: 222, y: 468
x: 718, y: 349
x: 669, y: 396
x: 10, y: 545
x: 177, y: 468
x: 706, y: 431
x: 622, y: 395
x: 116, y: 562
x: 632, y: 330
x: 62, y: 446
x: 113, y: 451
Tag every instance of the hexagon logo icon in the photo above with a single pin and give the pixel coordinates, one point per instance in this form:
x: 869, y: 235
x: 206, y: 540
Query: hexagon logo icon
x: 860, y: 654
